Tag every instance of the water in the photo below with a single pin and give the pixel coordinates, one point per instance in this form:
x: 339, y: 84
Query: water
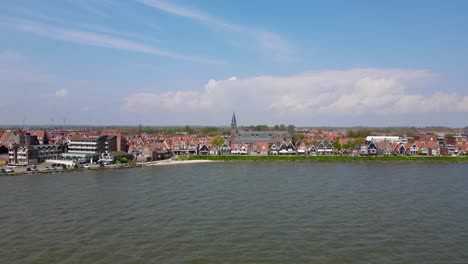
x: 239, y: 213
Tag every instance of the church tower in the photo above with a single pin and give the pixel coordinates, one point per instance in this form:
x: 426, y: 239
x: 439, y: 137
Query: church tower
x: 233, y: 123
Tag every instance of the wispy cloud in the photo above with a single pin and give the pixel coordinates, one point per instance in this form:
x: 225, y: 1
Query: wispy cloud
x: 277, y: 47
x: 89, y: 7
x: 61, y: 93
x: 191, y: 13
x: 96, y: 39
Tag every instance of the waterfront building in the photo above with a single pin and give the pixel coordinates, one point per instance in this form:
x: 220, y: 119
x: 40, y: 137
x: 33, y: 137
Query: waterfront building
x: 89, y: 147
x: 21, y: 154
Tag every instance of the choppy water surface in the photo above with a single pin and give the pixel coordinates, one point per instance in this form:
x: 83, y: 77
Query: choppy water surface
x: 239, y: 213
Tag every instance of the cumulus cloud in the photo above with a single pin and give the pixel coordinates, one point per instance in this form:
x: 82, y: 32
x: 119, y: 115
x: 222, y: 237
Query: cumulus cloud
x: 61, y: 93
x: 354, y: 92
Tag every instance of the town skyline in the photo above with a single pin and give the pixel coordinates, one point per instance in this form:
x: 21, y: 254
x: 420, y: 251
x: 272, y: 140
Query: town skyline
x: 176, y: 63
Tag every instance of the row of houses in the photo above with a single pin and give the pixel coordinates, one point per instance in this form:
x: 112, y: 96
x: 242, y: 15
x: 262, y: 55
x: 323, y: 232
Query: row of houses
x: 324, y: 147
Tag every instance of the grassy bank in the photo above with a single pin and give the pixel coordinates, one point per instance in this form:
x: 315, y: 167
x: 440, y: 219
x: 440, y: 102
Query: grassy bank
x: 327, y: 158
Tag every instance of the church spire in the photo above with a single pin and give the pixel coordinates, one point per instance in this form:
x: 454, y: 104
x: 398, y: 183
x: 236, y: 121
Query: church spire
x: 233, y: 122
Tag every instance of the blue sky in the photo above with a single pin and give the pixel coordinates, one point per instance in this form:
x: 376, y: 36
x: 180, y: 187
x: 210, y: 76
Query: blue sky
x: 309, y: 63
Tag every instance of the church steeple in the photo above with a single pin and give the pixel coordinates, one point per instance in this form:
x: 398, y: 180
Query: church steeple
x: 233, y: 122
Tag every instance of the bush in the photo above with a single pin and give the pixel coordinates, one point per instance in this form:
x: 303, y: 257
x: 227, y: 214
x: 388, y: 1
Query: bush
x: 124, y: 160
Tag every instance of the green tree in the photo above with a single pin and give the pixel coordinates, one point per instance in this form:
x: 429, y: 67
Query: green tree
x: 123, y: 160
x: 212, y: 133
x: 298, y: 136
x: 337, y: 145
x: 188, y: 129
x: 218, y: 141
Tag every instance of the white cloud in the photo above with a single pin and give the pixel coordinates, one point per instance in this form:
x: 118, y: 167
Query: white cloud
x: 273, y: 45
x: 232, y: 78
x: 355, y: 92
x: 96, y: 39
x: 191, y: 14
x: 61, y: 93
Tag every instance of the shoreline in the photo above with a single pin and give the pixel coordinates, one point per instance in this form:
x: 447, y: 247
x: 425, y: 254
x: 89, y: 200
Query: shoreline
x: 112, y: 167
x: 197, y: 159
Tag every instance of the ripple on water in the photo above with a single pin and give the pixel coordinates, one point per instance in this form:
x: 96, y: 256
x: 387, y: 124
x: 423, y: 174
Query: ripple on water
x: 239, y: 213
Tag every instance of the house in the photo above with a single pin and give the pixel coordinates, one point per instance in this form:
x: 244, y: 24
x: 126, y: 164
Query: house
x: 244, y: 149
x: 192, y: 148
x: 259, y: 148
x: 411, y: 149
x: 301, y: 147
x: 179, y: 147
x: 9, y: 137
x: 287, y: 148
x: 363, y: 149
x: 263, y: 148
x: 329, y: 149
x: 433, y: 148
x: 214, y: 150
x: 239, y: 149
x: 225, y: 148
x: 371, y: 149
x: 203, y: 149
x: 422, y: 148
x: 448, y: 150
x: 159, y: 150
x: 41, y: 136
x: 398, y: 149
x: 273, y: 149
x: 312, y: 151
x: 384, y: 148
x: 320, y: 148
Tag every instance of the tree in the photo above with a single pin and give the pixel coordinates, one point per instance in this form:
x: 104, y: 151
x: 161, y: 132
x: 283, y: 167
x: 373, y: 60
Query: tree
x: 291, y: 128
x: 123, y: 160
x: 213, y: 131
x: 218, y: 141
x: 337, y: 145
x: 298, y: 137
x: 188, y: 129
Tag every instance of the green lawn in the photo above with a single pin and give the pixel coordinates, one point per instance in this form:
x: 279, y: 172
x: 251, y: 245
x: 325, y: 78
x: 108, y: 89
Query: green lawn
x: 327, y: 158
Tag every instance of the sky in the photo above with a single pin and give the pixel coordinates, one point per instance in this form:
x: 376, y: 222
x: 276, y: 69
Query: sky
x: 307, y: 63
